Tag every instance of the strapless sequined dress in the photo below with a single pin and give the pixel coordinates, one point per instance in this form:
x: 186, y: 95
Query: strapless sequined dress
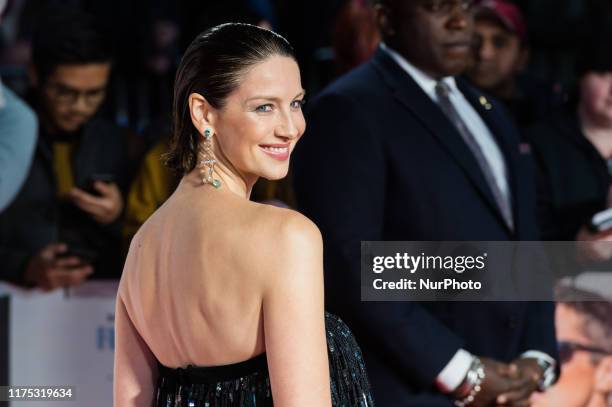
x: 247, y: 384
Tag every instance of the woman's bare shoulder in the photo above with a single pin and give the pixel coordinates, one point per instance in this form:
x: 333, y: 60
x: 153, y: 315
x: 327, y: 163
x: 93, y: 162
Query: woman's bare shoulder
x: 281, y: 237
x: 286, y: 226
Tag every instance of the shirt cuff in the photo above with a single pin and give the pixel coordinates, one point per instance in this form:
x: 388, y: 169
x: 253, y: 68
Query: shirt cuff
x: 455, y: 371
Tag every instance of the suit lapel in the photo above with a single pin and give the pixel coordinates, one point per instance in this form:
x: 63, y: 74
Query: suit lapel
x: 413, y: 98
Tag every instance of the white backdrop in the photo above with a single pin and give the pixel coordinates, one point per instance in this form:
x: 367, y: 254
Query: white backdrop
x: 63, y: 340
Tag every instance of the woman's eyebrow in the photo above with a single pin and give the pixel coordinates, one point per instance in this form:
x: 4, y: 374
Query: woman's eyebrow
x: 274, y: 98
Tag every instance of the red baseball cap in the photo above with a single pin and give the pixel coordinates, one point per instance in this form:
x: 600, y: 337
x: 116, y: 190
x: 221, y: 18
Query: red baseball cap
x: 506, y: 13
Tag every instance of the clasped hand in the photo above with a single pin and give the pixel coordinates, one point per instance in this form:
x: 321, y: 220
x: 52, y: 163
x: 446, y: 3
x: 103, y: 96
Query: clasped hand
x: 508, y: 384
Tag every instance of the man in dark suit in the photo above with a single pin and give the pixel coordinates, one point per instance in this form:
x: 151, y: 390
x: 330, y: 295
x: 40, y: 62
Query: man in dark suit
x: 400, y: 150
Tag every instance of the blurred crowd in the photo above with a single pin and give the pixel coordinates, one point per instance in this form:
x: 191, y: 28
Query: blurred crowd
x: 85, y: 113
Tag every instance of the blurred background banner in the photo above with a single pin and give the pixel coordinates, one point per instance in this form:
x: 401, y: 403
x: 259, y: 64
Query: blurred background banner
x: 54, y: 339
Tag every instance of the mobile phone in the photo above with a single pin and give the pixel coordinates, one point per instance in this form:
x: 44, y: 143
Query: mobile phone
x: 87, y: 256
x: 601, y: 221
x: 91, y: 179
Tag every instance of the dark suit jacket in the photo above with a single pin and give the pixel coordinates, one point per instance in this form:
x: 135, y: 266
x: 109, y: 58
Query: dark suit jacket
x: 380, y: 161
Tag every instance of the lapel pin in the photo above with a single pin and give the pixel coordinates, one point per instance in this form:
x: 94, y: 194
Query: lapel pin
x: 485, y: 103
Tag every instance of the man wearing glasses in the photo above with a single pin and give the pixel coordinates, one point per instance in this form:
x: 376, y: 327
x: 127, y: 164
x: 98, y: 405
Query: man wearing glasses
x: 65, y: 223
x: 416, y: 154
x: 584, y: 331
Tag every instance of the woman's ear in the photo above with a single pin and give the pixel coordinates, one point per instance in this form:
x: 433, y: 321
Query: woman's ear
x: 202, y: 113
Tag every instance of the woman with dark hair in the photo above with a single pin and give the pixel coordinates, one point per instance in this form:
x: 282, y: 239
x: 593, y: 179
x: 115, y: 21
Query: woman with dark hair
x: 221, y: 299
x: 573, y: 149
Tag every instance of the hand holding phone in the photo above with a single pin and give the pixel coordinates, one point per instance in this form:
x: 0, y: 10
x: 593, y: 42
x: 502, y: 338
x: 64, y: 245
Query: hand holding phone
x: 52, y: 268
x: 90, y: 183
x: 85, y: 256
x: 105, y: 204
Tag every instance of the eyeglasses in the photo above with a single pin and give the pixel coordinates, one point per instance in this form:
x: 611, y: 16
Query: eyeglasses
x: 567, y: 349
x: 68, y: 95
x: 446, y: 7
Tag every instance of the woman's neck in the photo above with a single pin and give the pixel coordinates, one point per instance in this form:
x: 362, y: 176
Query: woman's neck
x: 231, y: 181
x: 598, y: 133
x: 235, y: 182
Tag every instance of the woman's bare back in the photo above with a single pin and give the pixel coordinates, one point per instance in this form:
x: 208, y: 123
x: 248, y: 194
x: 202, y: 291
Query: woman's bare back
x: 192, y: 285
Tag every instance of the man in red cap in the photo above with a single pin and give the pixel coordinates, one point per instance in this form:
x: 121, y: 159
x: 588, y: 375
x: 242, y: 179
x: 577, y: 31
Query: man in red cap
x: 501, y: 52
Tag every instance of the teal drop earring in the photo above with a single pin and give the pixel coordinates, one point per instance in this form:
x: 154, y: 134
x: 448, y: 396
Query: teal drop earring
x: 207, y: 161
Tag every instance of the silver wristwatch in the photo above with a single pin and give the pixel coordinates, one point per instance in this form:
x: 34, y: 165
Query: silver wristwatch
x: 472, y: 384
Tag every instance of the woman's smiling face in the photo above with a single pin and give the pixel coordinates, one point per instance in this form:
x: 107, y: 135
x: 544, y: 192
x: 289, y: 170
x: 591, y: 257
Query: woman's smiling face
x: 261, y: 120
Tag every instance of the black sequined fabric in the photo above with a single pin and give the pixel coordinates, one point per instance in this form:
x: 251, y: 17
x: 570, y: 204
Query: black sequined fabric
x: 247, y: 384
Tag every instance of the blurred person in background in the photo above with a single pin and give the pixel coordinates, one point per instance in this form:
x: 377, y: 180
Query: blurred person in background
x: 584, y: 332
x: 501, y: 54
x: 18, y: 127
x: 355, y: 36
x: 65, y: 223
x: 573, y: 149
x: 153, y: 183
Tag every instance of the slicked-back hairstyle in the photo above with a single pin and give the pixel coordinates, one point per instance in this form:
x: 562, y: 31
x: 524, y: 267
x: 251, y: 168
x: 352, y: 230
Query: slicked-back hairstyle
x: 68, y: 36
x: 213, y: 66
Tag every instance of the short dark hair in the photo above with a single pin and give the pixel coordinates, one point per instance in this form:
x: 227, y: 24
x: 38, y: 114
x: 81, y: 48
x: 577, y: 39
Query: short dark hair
x: 213, y: 66
x: 67, y: 36
x: 596, y: 52
x: 595, y: 310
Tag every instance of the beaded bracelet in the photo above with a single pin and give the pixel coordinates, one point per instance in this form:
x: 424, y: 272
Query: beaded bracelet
x: 475, y: 376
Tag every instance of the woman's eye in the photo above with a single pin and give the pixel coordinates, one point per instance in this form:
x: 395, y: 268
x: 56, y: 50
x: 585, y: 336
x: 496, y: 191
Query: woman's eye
x: 298, y: 104
x: 264, y: 108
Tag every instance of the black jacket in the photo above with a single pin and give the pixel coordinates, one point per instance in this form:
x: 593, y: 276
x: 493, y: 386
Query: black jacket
x: 573, y: 184
x: 573, y: 179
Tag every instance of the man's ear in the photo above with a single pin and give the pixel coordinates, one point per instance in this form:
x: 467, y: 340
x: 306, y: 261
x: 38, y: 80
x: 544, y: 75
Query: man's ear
x: 203, y: 115
x: 383, y: 20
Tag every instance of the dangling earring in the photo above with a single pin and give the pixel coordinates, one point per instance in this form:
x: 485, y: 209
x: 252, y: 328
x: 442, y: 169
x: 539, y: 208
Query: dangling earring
x: 207, y: 161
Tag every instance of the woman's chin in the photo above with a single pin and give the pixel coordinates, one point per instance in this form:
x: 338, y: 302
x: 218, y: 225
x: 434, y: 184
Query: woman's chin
x: 275, y: 175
